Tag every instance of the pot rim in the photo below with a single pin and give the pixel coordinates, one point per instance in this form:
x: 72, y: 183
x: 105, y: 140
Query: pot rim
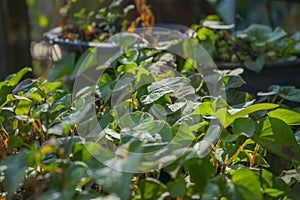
x: 295, y: 63
x: 52, y: 37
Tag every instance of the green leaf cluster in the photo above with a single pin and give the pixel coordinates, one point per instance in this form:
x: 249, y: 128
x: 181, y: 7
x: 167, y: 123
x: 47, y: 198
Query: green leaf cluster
x: 251, y: 47
x: 94, y: 20
x: 156, y: 118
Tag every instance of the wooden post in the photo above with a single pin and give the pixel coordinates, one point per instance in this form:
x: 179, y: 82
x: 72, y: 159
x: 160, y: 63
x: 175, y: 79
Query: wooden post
x: 3, y: 42
x: 14, y: 37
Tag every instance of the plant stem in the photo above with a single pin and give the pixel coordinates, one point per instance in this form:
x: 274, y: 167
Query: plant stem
x: 252, y: 160
x: 217, y: 145
x: 215, y: 162
x: 249, y: 155
x: 135, y: 182
x: 237, y: 152
x: 50, y: 169
x: 281, y: 101
x: 1, y: 106
x: 274, y: 99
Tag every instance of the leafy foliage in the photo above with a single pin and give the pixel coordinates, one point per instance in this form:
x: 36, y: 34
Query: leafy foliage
x: 141, y: 108
x: 97, y: 20
x: 253, y: 47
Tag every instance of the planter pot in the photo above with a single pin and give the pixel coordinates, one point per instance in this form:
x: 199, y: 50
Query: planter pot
x: 104, y: 50
x: 54, y: 37
x: 283, y: 74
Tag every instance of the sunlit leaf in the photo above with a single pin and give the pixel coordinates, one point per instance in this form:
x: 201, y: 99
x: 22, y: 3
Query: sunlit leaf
x: 129, y: 67
x: 288, y: 116
x: 14, y: 79
x: 234, y: 114
x: 245, y: 185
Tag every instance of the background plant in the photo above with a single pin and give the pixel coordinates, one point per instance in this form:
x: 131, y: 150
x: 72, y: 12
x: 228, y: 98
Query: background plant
x: 253, y: 47
x: 98, y: 20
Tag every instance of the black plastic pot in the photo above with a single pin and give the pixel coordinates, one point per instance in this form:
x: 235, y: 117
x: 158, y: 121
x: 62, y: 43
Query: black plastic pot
x: 54, y: 37
x: 282, y: 73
